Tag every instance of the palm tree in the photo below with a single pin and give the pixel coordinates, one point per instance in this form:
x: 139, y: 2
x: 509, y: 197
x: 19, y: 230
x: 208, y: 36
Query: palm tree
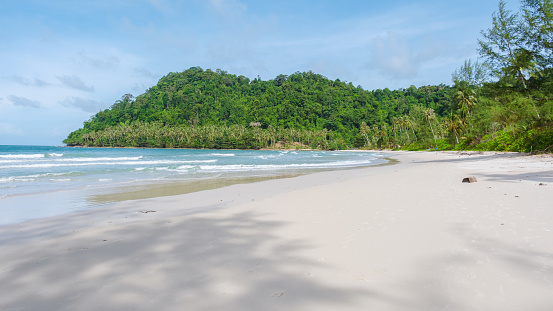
x: 405, y: 123
x: 430, y: 115
x: 453, y: 124
x: 395, y: 122
x: 409, y: 122
x: 465, y: 98
x: 365, y: 130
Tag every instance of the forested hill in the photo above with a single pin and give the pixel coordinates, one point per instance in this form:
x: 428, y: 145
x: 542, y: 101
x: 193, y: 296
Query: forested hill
x: 200, y: 108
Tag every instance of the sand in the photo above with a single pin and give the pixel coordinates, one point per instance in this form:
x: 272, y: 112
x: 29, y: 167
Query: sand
x: 409, y: 236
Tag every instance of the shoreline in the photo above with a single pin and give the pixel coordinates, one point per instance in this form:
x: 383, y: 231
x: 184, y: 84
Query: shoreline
x: 395, y: 237
x: 80, y: 179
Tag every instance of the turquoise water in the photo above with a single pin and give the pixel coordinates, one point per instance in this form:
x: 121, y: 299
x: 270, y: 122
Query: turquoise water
x: 38, y: 182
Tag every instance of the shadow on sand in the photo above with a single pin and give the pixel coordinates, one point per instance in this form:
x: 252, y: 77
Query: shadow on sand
x: 186, y: 263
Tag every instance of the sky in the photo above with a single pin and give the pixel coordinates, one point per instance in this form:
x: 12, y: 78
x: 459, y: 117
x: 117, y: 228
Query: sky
x: 62, y: 61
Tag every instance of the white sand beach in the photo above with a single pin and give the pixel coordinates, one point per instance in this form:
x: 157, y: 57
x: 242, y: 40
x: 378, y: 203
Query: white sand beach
x: 408, y: 236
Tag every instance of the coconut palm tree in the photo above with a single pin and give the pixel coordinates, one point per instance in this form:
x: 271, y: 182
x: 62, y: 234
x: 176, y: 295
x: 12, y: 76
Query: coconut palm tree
x: 454, y: 125
x: 430, y: 115
x: 365, y: 130
x: 465, y: 98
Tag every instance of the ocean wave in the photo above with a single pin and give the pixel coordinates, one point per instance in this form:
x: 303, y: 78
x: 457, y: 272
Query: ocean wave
x: 6, y: 179
x: 251, y: 167
x: 64, y: 164
x: 185, y: 167
x: 22, y: 179
x: 60, y: 179
x: 222, y: 154
x: 21, y: 156
x: 100, y: 159
x: 266, y: 157
x: 47, y: 175
x: 32, y: 177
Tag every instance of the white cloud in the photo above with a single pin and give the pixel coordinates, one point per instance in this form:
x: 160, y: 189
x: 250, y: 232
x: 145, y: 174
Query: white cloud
x: 146, y: 73
x: 24, y: 102
x: 24, y: 81
x: 105, y: 62
x: 74, y: 82
x: 87, y: 105
x: 393, y: 55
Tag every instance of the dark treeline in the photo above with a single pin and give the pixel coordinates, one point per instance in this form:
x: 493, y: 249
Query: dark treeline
x: 504, y: 102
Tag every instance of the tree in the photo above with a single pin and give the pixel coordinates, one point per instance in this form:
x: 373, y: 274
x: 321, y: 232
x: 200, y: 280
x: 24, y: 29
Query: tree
x: 464, y: 97
x: 302, y: 101
x: 430, y: 115
x: 365, y: 131
x: 475, y: 74
x: 454, y: 124
x: 538, y: 31
x: 280, y: 79
x: 503, y: 47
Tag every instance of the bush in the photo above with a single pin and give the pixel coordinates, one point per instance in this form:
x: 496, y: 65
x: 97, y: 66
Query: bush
x: 444, y: 145
x: 523, y: 141
x: 540, y: 140
x: 462, y: 145
x: 499, y: 143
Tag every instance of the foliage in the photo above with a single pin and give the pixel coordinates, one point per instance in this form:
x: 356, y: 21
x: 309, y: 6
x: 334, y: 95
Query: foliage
x: 474, y: 74
x: 157, y: 135
x: 197, y: 101
x: 529, y: 141
x: 513, y: 113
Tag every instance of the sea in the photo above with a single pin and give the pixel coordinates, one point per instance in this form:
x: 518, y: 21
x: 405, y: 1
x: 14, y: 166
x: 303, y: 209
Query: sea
x: 43, y: 181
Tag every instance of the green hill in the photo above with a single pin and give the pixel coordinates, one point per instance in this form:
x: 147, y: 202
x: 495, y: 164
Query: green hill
x: 214, y: 109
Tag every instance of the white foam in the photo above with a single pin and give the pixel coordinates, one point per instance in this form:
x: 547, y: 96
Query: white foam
x: 249, y: 167
x: 100, y: 159
x: 45, y: 175
x: 21, y: 156
x: 64, y: 164
x: 33, y: 177
x: 266, y: 157
x: 25, y: 179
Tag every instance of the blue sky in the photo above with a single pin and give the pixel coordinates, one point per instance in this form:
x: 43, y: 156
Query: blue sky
x: 62, y: 60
